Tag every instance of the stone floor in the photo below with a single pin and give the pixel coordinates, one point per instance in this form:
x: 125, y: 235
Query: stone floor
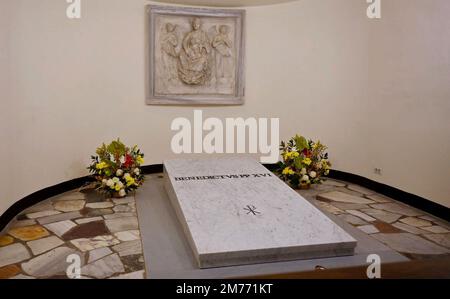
x: 103, y: 233
x: 106, y: 237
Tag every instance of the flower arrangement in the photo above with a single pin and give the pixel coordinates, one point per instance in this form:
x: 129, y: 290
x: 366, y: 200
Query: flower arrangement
x: 117, y: 169
x: 304, y: 162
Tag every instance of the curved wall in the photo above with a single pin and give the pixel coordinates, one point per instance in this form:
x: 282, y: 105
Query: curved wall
x: 77, y: 83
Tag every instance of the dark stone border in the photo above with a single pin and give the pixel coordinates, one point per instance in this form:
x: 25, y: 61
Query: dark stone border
x: 397, y: 194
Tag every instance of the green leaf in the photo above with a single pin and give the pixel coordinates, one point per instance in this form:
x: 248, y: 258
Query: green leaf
x: 300, y: 142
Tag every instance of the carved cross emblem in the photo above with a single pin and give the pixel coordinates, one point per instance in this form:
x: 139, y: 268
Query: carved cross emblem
x: 251, y: 209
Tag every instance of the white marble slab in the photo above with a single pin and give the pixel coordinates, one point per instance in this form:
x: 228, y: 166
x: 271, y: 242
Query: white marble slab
x: 234, y: 211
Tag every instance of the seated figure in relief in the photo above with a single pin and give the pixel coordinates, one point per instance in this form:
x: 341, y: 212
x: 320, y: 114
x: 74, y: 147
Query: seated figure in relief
x: 194, y: 65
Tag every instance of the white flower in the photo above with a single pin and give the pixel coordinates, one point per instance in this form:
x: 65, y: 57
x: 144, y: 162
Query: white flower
x: 122, y: 159
x: 119, y: 172
x: 137, y: 171
x: 303, y: 171
x: 126, y: 175
x: 304, y: 178
x: 115, y: 180
x: 120, y: 184
x: 122, y: 192
x: 312, y: 174
x: 109, y: 183
x: 104, y: 181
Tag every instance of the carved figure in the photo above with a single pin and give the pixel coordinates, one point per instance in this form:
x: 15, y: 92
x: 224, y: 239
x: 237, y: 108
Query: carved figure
x: 169, y: 43
x: 223, y: 46
x: 194, y: 65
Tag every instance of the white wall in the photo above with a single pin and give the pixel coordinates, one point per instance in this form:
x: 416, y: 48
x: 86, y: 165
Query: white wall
x: 409, y: 97
x: 77, y: 83
x: 6, y: 120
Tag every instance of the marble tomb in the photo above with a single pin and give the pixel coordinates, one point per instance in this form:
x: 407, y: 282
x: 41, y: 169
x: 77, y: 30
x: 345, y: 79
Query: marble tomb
x: 234, y: 211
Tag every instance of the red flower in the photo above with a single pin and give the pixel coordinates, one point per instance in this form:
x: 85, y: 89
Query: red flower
x: 128, y: 161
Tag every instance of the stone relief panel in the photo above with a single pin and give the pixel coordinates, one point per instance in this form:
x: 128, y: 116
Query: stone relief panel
x: 196, y: 56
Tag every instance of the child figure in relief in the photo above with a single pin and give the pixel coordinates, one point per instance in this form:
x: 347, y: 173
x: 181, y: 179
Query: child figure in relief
x: 223, y: 46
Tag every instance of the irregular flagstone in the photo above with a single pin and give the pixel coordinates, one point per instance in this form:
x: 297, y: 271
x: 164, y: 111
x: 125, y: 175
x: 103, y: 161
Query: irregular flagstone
x: 123, y: 209
x: 29, y: 233
x: 437, y: 221
x: 441, y: 239
x: 119, y: 215
x: 69, y: 205
x: 409, y: 228
x: 61, y: 227
x: 40, y: 207
x: 436, y: 229
x: 329, y: 208
x: 45, y: 244
x: 59, y: 217
x: 87, y: 220
x: 125, y: 200
x: 352, y: 219
x: 12, y: 254
x: 333, y: 183
x: 104, y: 267
x: 129, y: 235
x: 382, y: 215
x: 128, y: 248
x: 85, y: 244
x: 415, y: 222
x: 70, y: 196
x: 132, y: 275
x: 379, y: 198
x: 100, y: 205
x: 98, y: 253
x: 386, y: 228
x: 350, y: 206
x: 21, y: 276
x: 98, y: 212
x: 429, y: 218
x: 343, y: 197
x: 409, y: 243
x: 42, y: 214
x: 50, y: 263
x: 22, y: 223
x: 360, y: 189
x: 86, y: 230
x: 361, y: 215
x: 348, y: 191
x: 5, y: 240
x: 397, y: 208
x: 9, y: 271
x: 133, y: 263
x: 369, y: 229
x: 122, y: 224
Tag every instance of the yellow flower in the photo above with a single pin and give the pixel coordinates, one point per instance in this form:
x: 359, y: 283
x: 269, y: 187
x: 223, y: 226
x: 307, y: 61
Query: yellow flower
x: 290, y: 155
x: 117, y: 188
x: 140, y: 159
x: 307, y: 161
x: 288, y: 171
x: 101, y: 165
x: 130, y: 181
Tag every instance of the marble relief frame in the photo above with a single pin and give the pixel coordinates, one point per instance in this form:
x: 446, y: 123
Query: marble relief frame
x: 196, y: 56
